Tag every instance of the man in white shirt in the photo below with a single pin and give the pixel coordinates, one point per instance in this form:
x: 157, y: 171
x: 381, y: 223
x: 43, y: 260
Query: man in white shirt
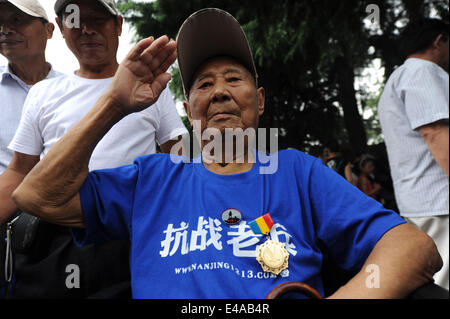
x: 414, y: 113
x: 54, y: 106
x: 24, y: 32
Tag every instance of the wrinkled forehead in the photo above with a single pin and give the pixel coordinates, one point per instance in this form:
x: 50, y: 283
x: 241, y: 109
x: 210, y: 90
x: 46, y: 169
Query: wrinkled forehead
x: 220, y: 63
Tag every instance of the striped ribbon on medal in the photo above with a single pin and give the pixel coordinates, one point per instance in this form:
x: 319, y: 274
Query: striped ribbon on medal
x: 262, y: 225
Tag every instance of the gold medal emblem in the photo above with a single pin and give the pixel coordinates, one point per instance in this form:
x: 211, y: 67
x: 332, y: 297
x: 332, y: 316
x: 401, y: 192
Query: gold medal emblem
x: 272, y: 256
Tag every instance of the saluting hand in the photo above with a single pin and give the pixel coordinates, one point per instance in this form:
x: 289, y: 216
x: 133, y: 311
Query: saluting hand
x: 142, y: 76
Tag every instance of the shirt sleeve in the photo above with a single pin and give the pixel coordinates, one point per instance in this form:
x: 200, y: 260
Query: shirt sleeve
x: 348, y: 223
x: 170, y: 125
x: 28, y: 137
x: 426, y: 97
x: 107, y: 198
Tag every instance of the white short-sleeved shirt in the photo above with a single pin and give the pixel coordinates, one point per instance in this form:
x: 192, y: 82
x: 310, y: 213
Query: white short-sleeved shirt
x: 53, y: 107
x: 416, y: 94
x: 13, y: 92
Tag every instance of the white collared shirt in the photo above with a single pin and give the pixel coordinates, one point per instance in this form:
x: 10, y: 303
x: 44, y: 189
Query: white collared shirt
x: 13, y: 92
x: 416, y: 94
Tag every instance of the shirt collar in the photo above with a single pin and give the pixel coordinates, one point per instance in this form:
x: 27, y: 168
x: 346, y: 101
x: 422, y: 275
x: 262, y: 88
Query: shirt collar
x: 7, y: 72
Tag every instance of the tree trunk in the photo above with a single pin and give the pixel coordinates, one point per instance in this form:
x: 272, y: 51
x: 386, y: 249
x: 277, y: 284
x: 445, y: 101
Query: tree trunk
x: 347, y: 98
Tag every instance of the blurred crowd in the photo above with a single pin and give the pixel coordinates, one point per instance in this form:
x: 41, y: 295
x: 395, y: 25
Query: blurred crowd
x: 368, y: 171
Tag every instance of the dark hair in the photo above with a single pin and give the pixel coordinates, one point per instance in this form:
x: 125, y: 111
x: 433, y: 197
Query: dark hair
x: 316, y: 150
x: 366, y: 160
x: 44, y: 22
x: 60, y: 16
x: 419, y: 35
x: 332, y: 145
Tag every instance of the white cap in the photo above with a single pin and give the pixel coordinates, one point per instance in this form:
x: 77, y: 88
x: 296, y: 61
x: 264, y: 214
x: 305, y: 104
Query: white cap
x: 30, y: 7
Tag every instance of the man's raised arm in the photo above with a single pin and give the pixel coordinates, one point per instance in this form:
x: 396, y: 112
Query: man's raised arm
x: 50, y: 190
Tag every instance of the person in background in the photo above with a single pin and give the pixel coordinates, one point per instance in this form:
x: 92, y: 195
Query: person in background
x: 414, y: 114
x: 317, y: 151
x: 24, y: 32
x: 337, y: 162
x: 365, y: 180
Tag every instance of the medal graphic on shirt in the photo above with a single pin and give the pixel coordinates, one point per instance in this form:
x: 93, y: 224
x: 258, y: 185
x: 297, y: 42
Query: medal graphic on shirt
x: 272, y: 255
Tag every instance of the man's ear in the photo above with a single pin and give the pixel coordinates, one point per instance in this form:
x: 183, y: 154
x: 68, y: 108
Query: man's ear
x: 261, y: 100
x: 49, y: 28
x: 119, y: 25
x: 187, y: 108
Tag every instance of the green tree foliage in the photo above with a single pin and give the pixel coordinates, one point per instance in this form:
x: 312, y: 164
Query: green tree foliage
x: 307, y: 53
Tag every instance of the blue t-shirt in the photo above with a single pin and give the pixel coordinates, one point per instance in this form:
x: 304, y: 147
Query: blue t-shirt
x: 181, y: 248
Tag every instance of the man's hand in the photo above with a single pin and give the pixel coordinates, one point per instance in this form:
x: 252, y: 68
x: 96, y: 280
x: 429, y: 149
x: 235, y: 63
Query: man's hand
x: 141, y: 77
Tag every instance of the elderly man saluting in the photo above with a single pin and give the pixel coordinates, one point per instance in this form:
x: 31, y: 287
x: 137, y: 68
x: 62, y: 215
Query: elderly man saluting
x: 172, y: 212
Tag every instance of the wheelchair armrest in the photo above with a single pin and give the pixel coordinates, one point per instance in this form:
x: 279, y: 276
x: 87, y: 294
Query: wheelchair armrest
x: 429, y: 291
